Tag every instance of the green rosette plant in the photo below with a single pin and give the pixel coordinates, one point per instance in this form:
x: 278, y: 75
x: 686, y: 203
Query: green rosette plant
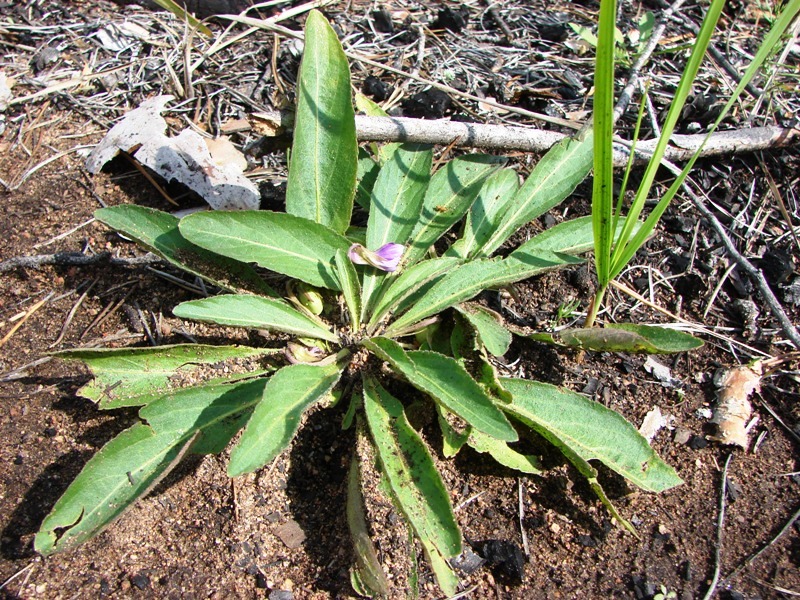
x: 364, y: 308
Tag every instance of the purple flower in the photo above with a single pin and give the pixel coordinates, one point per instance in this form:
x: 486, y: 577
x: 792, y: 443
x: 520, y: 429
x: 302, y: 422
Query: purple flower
x: 385, y: 258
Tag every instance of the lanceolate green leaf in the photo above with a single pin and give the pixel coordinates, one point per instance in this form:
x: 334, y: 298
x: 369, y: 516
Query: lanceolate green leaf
x: 451, y: 192
x: 590, y: 430
x: 484, y: 216
x: 217, y: 412
x: 158, y: 232
x: 351, y: 290
x: 137, y: 376
x: 131, y: 464
x: 397, y: 195
x: 553, y: 179
x: 448, y: 383
x: 575, y: 236
x: 289, y: 393
x: 410, y: 471
x: 366, y: 175
x: 406, y: 287
x: 283, y: 243
x: 322, y: 172
x: 253, y: 312
x: 368, y: 567
x: 629, y: 337
x: 469, y: 279
x: 395, y: 205
x: 489, y: 326
x: 102, y: 490
x: 503, y: 454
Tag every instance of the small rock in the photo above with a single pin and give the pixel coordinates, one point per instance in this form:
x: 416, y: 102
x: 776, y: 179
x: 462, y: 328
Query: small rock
x: 140, y: 581
x: 376, y: 88
x: 454, y: 20
x: 506, y: 557
x: 467, y: 562
x: 698, y: 442
x: 553, y: 32
x: 431, y: 104
x: 382, y: 20
x: 291, y: 534
x: 733, y: 489
x: 280, y: 595
x: 682, y: 435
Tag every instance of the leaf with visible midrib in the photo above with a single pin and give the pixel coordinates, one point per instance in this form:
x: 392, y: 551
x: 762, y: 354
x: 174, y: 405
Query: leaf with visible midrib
x: 281, y: 242
x: 590, y: 430
x: 469, y: 279
x: 448, y: 383
x: 158, y: 232
x: 408, y: 467
x: 555, y: 176
x: 132, y: 463
x: 276, y: 418
x: 253, y: 312
x: 451, y: 192
x: 324, y: 159
x: 137, y: 376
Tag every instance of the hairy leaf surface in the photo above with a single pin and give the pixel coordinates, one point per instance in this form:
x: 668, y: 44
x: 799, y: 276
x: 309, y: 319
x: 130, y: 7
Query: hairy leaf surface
x: 489, y: 326
x: 451, y: 192
x: 554, y: 178
x: 409, y: 468
x: 158, y: 232
x: 589, y: 430
x: 253, y: 312
x: 491, y: 204
x: 131, y: 464
x: 322, y: 170
x: 448, y: 383
x: 289, y: 393
x: 281, y: 242
x: 467, y: 280
x: 395, y: 205
x: 137, y: 376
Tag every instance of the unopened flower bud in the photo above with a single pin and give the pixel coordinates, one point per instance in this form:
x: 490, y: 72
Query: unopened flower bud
x: 310, y: 298
x: 298, y: 353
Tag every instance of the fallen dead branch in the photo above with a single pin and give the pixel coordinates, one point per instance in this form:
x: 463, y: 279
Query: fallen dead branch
x: 70, y: 259
x: 510, y: 138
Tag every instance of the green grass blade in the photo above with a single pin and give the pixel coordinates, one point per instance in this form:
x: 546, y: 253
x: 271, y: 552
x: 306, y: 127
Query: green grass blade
x: 766, y: 48
x: 322, y: 170
x: 625, y: 247
x: 603, y: 124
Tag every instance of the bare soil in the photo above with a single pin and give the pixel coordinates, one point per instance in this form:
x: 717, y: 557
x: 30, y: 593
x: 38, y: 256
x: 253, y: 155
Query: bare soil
x: 199, y: 534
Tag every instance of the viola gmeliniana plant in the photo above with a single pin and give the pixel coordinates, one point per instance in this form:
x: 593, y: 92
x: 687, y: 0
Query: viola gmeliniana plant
x: 364, y: 308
